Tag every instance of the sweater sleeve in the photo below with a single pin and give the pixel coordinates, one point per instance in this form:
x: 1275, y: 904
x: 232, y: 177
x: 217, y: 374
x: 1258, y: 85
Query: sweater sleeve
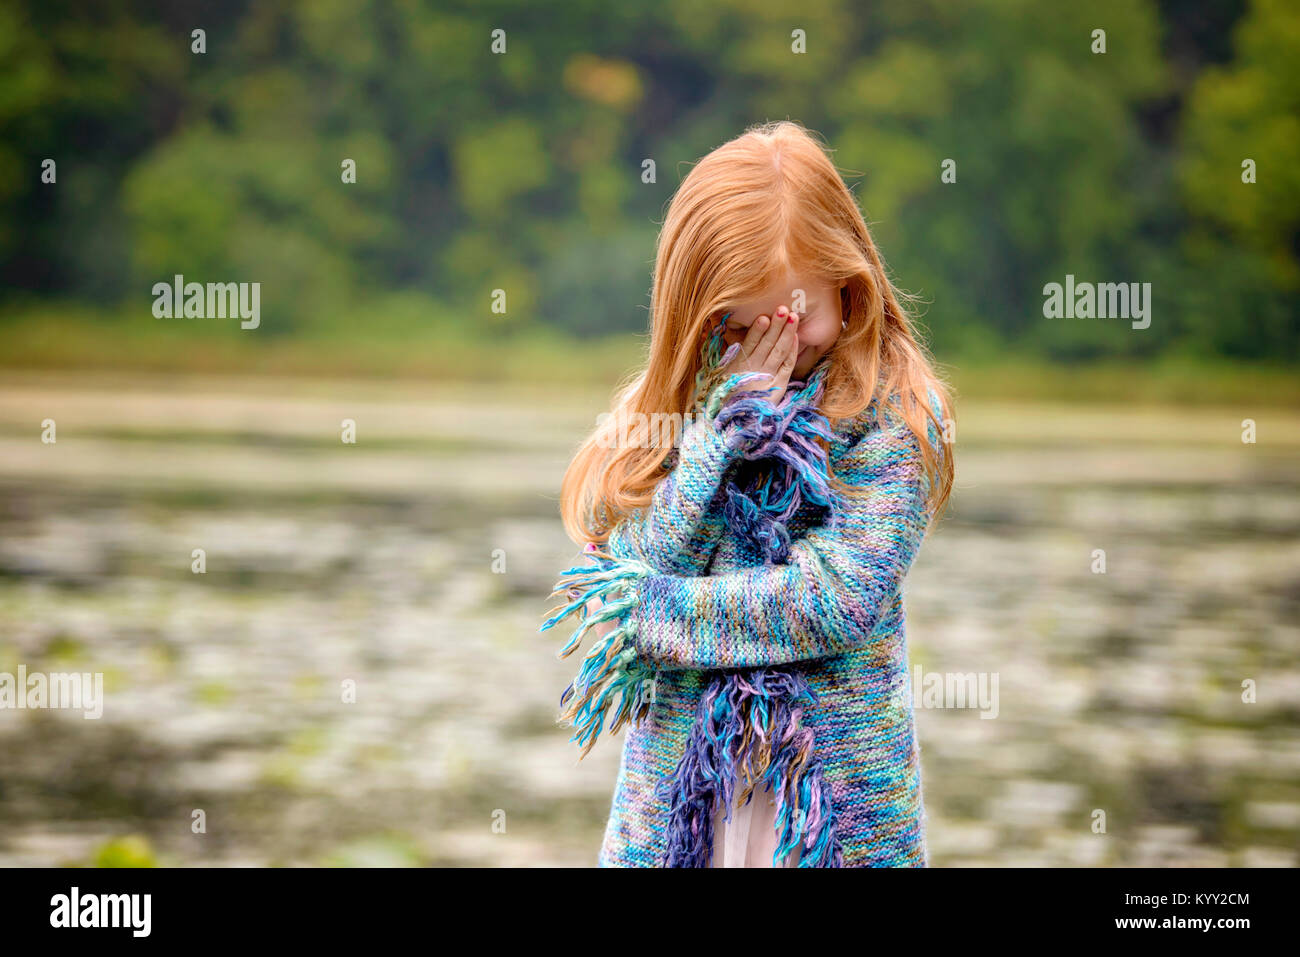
x: 679, y: 530
x: 826, y: 601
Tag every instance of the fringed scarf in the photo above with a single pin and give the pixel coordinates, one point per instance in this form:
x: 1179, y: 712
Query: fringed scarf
x: 747, y: 729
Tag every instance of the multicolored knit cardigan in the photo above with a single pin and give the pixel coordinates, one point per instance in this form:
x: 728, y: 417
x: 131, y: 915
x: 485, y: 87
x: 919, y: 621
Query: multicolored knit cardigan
x: 758, y: 637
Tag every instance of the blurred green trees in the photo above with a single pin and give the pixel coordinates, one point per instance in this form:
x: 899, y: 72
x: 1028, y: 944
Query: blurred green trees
x: 522, y: 171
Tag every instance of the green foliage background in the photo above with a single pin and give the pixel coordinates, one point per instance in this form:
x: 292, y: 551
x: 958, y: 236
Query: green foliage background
x: 522, y: 171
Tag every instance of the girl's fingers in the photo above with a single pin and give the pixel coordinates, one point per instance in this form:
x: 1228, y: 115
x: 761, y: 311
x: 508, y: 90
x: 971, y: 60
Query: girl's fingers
x: 772, y: 338
x: 757, y: 330
x: 791, y: 355
x: 771, y: 345
x: 771, y: 329
x: 786, y: 345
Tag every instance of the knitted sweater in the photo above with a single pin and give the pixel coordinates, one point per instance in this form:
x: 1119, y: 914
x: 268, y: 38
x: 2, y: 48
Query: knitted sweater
x: 760, y: 637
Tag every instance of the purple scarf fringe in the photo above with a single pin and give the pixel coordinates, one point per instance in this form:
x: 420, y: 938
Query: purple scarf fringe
x: 749, y: 734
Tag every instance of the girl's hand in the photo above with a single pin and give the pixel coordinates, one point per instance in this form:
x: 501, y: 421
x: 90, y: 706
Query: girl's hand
x: 605, y: 627
x: 771, y: 346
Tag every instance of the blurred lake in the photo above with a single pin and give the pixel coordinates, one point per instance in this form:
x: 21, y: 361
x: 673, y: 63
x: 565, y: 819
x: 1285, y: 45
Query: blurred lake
x: 416, y: 563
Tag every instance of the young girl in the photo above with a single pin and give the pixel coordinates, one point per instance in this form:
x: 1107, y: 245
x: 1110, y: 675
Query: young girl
x: 745, y: 573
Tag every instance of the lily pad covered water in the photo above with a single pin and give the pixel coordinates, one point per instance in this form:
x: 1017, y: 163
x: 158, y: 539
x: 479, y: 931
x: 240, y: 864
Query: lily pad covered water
x: 355, y: 676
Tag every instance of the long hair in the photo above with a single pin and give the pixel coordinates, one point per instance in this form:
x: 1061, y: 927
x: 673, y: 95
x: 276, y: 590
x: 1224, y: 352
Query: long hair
x: 764, y: 204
